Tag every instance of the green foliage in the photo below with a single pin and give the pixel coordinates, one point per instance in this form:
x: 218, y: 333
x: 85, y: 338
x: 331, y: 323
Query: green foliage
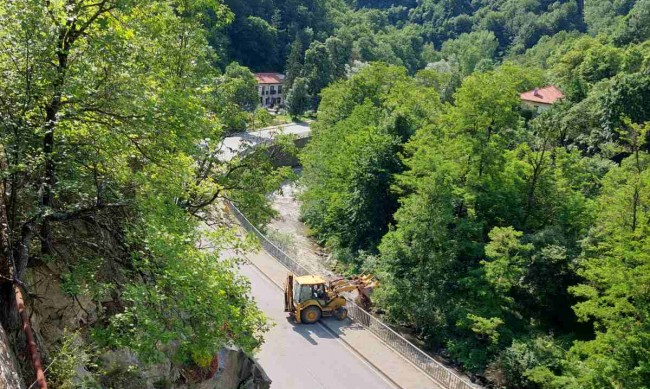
x: 298, y: 98
x: 469, y: 50
x: 252, y: 178
x: 70, y: 357
x: 113, y: 154
x: 318, y: 69
x: 470, y: 176
x: 506, y: 267
x: 526, y: 361
x: 196, y: 311
x: 474, y: 214
x: 615, y: 266
x: 121, y: 377
x: 502, y: 238
x: 236, y: 97
x: 261, y: 118
x: 349, y: 165
x: 485, y: 328
x: 262, y: 31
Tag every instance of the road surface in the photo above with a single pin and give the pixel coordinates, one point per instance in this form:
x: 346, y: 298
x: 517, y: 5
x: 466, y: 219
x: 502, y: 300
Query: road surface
x: 238, y: 143
x: 305, y: 356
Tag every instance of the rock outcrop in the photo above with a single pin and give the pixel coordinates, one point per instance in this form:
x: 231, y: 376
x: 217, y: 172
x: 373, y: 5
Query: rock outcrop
x: 237, y: 371
x: 9, y: 378
x: 55, y: 313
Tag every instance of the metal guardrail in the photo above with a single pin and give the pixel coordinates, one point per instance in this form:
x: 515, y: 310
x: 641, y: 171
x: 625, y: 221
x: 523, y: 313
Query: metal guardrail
x: 408, y: 350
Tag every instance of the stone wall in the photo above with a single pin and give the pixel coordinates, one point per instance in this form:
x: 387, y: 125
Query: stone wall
x: 284, y: 159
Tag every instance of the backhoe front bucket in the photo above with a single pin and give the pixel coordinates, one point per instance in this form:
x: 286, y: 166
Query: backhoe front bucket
x: 288, y: 294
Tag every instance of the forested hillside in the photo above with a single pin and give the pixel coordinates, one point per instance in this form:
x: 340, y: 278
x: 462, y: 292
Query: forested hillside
x: 516, y: 243
x: 316, y: 40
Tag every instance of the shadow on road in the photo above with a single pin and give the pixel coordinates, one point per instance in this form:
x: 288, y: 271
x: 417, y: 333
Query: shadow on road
x: 311, y: 332
x: 340, y: 327
x: 335, y: 329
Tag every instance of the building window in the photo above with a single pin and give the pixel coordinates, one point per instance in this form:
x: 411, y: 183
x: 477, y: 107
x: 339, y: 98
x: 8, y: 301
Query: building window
x: 279, y: 89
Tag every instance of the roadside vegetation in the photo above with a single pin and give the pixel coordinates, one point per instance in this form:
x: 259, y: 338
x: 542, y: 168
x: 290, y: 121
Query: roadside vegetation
x: 110, y: 122
x: 515, y: 244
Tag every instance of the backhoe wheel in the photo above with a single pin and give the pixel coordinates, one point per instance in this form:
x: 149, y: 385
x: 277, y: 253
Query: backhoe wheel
x: 310, y: 315
x: 341, y: 313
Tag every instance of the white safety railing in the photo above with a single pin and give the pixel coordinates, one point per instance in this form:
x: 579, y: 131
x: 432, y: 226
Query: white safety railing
x: 408, y: 350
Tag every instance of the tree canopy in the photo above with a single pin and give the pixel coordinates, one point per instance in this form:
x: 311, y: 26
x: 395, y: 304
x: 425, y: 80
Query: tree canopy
x: 109, y: 135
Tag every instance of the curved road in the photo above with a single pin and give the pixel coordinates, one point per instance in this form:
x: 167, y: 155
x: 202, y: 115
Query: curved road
x: 305, y: 356
x: 243, y: 141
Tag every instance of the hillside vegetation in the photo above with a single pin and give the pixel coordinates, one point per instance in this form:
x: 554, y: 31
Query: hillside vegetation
x: 515, y: 243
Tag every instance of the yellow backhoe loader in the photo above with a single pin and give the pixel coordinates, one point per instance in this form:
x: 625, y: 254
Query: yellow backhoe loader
x: 308, y: 298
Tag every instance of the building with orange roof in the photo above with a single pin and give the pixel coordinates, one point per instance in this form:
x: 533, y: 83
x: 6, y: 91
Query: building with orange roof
x: 541, y: 99
x: 270, y: 89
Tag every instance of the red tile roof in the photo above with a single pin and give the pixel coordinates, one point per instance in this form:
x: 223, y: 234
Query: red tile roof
x: 546, y: 95
x: 269, y: 78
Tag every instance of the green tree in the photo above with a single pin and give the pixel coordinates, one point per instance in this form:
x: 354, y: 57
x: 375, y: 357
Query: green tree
x: 293, y: 68
x: 349, y: 165
x: 236, y: 97
x: 298, y: 98
x: 469, y: 49
x: 257, y: 43
x: 318, y: 69
x: 108, y: 151
x: 615, y: 267
x: 634, y: 26
x: 464, y: 175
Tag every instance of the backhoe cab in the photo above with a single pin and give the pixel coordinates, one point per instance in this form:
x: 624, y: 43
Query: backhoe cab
x: 308, y: 298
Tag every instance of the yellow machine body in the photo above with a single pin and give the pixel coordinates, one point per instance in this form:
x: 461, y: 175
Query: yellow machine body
x: 308, y: 298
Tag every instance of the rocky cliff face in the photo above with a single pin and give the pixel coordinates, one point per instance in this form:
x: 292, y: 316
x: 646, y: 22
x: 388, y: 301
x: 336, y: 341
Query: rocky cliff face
x: 55, y: 313
x: 9, y: 378
x: 237, y: 370
x: 232, y: 369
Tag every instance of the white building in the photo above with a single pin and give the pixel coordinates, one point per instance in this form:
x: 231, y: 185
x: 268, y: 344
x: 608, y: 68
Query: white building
x: 270, y: 89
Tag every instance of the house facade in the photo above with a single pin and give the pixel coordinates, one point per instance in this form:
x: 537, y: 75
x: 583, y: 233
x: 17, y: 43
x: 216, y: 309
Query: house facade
x: 540, y: 99
x: 270, y: 89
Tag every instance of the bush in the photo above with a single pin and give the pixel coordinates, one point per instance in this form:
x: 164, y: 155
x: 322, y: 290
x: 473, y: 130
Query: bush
x: 516, y: 365
x: 71, y: 357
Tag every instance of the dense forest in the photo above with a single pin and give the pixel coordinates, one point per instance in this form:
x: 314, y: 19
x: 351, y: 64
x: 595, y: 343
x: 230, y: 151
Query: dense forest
x: 515, y: 244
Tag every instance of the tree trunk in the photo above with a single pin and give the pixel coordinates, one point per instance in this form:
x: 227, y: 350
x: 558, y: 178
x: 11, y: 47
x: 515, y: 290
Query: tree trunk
x: 581, y: 14
x: 8, y: 317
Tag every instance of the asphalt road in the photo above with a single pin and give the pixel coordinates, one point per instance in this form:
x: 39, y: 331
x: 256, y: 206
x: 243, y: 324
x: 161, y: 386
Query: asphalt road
x: 305, y: 356
x: 238, y: 143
